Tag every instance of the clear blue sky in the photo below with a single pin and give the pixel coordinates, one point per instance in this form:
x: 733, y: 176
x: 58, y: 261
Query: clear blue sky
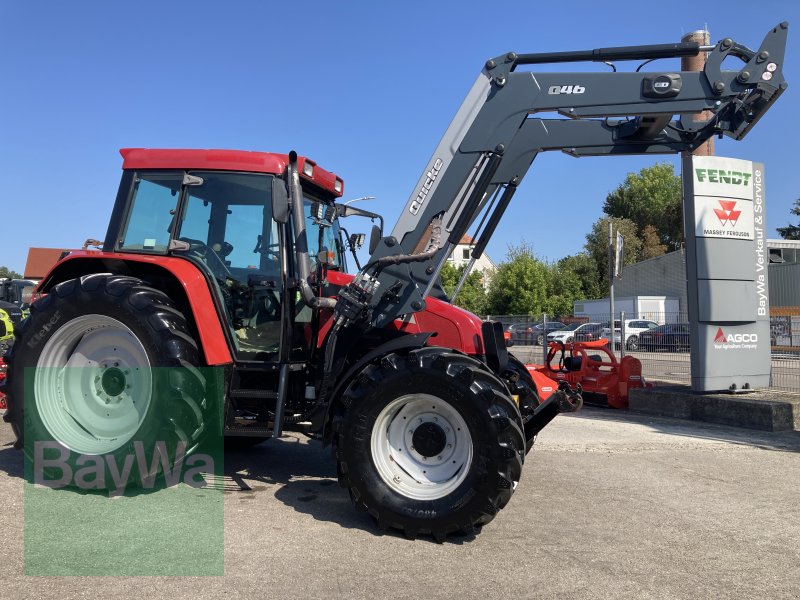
x: 364, y: 88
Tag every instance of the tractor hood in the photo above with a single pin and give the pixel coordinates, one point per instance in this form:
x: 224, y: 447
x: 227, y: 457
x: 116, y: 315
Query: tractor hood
x: 453, y: 327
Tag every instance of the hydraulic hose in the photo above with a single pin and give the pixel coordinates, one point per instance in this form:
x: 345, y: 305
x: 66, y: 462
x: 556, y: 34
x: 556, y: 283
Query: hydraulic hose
x: 429, y: 252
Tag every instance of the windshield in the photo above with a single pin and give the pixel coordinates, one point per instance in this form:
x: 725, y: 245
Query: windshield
x: 570, y: 327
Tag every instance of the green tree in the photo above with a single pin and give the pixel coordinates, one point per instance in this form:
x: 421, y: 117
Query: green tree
x: 472, y: 296
x: 651, y: 243
x: 6, y: 272
x: 597, y: 244
x: 584, y: 267
x: 521, y: 284
x: 791, y: 232
x: 651, y: 197
x: 564, y: 287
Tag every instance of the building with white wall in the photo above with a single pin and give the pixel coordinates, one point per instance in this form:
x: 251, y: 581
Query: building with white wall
x: 462, y: 255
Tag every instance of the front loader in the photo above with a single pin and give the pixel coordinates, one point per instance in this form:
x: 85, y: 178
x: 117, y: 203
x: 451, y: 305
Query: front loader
x: 235, y: 261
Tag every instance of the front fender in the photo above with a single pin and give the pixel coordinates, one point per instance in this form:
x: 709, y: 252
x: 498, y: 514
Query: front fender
x: 406, y: 342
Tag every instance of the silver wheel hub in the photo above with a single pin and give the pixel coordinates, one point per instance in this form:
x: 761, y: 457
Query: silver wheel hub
x: 421, y: 446
x: 93, y: 384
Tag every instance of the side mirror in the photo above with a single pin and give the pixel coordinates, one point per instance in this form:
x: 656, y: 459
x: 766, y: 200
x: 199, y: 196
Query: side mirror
x: 280, y: 201
x: 374, y: 238
x: 3, y: 330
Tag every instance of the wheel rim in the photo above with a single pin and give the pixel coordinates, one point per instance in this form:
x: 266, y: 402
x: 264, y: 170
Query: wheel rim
x: 421, y: 447
x: 633, y: 343
x: 93, y: 384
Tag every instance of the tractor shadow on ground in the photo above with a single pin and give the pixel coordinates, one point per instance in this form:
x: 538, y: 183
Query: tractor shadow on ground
x: 11, y: 461
x: 301, y: 474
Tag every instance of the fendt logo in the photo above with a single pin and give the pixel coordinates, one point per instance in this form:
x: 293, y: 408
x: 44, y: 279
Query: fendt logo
x: 723, y: 176
x: 555, y: 90
x: 735, y: 340
x: 727, y: 214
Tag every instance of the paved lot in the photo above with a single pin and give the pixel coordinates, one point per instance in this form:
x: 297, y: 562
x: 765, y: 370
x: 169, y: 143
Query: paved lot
x: 610, y: 506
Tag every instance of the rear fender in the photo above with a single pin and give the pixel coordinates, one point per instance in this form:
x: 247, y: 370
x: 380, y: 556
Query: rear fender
x: 176, y: 276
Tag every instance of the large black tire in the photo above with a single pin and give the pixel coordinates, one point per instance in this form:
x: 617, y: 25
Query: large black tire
x: 521, y: 385
x: 174, y: 403
x: 461, y: 393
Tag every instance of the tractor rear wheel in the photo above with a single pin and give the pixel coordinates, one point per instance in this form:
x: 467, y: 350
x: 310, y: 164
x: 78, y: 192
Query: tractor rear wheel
x: 429, y: 443
x: 113, y: 376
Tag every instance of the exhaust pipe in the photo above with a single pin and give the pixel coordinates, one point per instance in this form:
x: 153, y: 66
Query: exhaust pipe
x: 301, y: 241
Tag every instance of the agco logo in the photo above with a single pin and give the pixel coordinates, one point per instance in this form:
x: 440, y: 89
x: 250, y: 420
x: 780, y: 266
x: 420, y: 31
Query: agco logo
x: 735, y: 340
x: 726, y: 214
x: 555, y: 90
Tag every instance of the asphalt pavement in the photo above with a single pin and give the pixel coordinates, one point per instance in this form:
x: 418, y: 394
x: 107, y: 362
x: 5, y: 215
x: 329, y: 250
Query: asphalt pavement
x: 610, y: 505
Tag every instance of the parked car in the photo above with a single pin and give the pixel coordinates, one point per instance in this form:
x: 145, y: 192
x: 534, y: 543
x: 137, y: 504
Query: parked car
x: 671, y: 337
x: 633, y: 327
x: 507, y: 336
x: 521, y: 333
x: 532, y: 333
x: 589, y: 332
x: 541, y: 330
x: 576, y: 332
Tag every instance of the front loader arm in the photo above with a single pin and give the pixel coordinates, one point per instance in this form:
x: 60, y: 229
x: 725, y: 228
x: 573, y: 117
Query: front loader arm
x: 491, y: 143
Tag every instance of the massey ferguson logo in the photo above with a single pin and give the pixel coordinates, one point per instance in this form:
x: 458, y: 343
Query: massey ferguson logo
x: 735, y: 341
x: 727, y: 214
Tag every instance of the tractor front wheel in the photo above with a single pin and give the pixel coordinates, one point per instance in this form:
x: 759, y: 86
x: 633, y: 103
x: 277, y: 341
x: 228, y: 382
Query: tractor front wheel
x: 429, y: 443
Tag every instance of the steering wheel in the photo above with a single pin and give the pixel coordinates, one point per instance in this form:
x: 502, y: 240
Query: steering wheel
x: 273, y: 251
x: 209, y: 257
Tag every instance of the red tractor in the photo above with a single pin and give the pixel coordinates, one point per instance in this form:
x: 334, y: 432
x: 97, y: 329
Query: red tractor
x: 219, y: 303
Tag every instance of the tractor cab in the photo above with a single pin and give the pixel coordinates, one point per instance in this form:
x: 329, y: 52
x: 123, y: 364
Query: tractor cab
x: 225, y: 222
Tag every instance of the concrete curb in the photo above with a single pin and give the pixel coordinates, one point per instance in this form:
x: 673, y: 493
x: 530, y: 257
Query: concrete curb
x: 762, y: 410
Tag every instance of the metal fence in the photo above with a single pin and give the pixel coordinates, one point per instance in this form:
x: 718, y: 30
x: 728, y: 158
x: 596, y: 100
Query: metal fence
x: 663, y: 350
